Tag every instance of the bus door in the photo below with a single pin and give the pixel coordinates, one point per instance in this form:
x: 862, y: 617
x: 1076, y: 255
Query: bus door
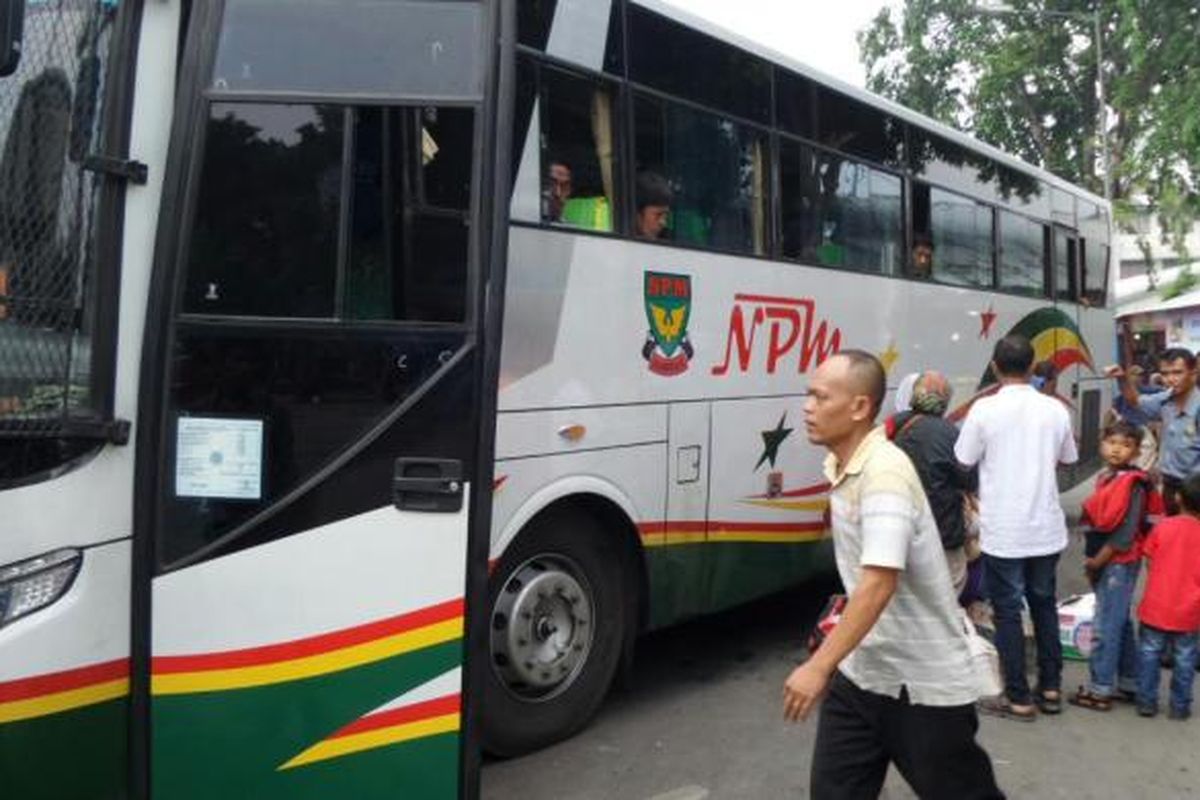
x: 320, y: 380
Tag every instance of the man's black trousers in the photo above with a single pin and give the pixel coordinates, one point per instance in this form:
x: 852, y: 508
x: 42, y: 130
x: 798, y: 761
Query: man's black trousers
x: 933, y: 747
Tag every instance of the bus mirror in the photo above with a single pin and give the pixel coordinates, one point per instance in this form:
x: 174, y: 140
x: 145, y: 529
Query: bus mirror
x: 12, y: 20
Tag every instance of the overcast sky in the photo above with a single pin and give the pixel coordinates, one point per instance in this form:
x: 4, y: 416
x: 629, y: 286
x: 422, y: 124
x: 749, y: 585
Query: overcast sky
x: 819, y: 33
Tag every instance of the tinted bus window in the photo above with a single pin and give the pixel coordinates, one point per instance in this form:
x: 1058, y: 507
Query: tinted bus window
x: 960, y: 232
x: 1095, y: 273
x: 1062, y: 207
x: 402, y: 48
x: 1022, y: 255
x: 795, y: 97
x: 948, y: 163
x: 408, y: 236
x: 859, y: 129
x: 673, y: 59
x: 716, y: 172
x: 839, y: 213
x: 1066, y: 253
x: 265, y: 239
x: 578, y: 152
x: 588, y: 33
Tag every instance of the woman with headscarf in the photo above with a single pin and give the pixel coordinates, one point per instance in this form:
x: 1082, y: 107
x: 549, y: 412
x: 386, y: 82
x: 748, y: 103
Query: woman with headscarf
x: 929, y: 439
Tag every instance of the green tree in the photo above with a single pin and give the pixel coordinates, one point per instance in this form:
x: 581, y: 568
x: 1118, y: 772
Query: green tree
x: 1026, y: 82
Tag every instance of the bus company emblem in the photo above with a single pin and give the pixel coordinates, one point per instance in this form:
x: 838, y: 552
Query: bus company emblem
x: 668, y: 307
x: 793, y: 333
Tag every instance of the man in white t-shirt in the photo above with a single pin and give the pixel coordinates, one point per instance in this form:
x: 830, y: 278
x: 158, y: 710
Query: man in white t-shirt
x: 896, y: 671
x: 1018, y: 437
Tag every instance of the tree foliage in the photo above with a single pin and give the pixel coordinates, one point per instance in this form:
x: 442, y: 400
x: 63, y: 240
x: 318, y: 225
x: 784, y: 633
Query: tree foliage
x: 1026, y: 82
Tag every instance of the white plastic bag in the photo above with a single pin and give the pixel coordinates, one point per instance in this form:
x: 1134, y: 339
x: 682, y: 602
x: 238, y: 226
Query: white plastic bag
x: 985, y: 662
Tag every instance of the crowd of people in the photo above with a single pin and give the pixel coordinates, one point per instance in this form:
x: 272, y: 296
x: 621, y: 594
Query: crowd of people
x: 917, y: 506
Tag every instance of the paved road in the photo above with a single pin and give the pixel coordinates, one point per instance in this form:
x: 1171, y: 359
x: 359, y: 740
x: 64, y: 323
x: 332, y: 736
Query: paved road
x: 701, y: 721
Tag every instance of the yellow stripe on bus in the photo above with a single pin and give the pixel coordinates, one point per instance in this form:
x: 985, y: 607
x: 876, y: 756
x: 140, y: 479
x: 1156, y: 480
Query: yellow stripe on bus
x: 308, y: 666
x: 15, y: 710
x: 672, y: 537
x: 766, y: 537
x: 717, y: 535
x: 791, y: 505
x: 368, y: 740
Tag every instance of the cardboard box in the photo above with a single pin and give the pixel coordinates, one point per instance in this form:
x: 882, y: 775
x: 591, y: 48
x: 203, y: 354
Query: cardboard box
x: 1075, y: 616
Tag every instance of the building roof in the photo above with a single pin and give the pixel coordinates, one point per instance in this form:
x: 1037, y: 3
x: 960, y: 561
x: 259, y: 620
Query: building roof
x: 1134, y: 295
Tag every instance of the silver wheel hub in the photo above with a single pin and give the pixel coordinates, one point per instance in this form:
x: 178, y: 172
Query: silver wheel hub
x: 542, y: 627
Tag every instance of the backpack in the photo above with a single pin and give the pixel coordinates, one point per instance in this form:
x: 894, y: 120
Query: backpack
x: 1105, y: 508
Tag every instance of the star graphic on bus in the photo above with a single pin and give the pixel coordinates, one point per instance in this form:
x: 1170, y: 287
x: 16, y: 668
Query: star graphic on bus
x: 986, y: 320
x: 771, y: 441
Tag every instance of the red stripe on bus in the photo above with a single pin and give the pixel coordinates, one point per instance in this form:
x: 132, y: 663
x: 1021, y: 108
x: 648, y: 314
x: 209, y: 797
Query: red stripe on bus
x: 65, y: 681
x: 440, y: 706
x: 299, y: 648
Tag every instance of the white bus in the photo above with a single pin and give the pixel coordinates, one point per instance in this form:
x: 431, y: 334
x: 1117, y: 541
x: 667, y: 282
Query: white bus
x: 256, y: 259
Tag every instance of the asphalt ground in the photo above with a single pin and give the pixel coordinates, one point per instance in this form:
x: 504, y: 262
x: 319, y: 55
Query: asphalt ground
x: 702, y: 720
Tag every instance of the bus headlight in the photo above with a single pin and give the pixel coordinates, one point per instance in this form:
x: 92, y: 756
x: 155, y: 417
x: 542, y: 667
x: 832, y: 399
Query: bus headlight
x: 37, y: 582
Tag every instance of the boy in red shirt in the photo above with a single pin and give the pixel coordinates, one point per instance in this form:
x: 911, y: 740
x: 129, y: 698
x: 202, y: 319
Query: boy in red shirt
x: 1170, y: 609
x: 1116, y: 517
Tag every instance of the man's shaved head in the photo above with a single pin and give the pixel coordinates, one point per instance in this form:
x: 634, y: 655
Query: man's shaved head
x: 845, y: 394
x: 866, y: 376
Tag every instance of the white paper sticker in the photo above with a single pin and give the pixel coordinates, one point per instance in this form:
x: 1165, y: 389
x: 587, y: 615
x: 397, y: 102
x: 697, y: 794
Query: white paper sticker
x: 219, y: 458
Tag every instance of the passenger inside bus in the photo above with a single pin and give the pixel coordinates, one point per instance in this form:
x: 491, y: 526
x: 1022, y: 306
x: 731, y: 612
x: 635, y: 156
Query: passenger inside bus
x: 653, y: 205
x: 577, y: 153
x: 557, y: 191
x: 922, y: 257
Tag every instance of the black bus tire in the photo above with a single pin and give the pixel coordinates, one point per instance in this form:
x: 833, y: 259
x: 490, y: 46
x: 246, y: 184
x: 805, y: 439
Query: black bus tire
x: 517, y: 717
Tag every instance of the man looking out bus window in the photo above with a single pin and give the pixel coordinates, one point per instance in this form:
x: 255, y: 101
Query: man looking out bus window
x: 557, y: 191
x: 654, y: 197
x: 896, y: 671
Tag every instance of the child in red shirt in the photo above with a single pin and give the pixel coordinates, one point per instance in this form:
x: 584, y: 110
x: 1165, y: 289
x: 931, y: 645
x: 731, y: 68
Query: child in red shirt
x: 1170, y: 608
x: 1115, y: 514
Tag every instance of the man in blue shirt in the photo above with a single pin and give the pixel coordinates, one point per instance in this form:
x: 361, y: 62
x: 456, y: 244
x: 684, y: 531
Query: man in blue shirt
x: 1178, y: 406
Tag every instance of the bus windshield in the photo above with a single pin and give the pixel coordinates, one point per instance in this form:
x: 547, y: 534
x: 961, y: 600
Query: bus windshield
x: 50, y: 118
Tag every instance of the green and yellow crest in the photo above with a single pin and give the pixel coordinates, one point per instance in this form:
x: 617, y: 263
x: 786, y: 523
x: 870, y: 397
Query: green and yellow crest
x: 668, y: 299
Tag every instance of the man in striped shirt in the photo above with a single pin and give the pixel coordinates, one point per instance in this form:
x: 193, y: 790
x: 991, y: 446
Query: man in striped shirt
x: 895, y: 674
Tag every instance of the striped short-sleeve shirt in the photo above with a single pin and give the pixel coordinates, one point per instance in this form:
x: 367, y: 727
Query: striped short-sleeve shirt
x: 880, y: 517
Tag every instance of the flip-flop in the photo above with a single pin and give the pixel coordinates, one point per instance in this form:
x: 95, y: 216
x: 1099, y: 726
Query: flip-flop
x: 1001, y: 707
x: 1085, y: 699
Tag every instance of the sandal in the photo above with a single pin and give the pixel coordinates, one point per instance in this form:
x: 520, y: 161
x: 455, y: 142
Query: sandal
x: 1001, y: 707
x: 1048, y: 700
x: 1085, y: 699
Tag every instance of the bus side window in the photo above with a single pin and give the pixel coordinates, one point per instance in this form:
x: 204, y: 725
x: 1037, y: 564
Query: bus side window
x: 1066, y: 265
x: 959, y: 234
x: 577, y: 151
x: 716, y: 170
x: 839, y: 213
x: 265, y: 239
x: 1022, y: 255
x: 408, y: 234
x: 1095, y: 273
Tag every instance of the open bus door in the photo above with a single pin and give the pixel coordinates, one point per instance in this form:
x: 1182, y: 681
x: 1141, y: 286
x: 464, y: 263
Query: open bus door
x: 318, y: 402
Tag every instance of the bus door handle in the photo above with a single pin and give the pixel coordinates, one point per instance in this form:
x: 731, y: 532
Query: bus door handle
x: 428, y: 484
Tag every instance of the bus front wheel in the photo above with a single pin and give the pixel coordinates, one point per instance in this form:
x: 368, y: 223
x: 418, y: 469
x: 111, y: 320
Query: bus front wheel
x: 556, y: 628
